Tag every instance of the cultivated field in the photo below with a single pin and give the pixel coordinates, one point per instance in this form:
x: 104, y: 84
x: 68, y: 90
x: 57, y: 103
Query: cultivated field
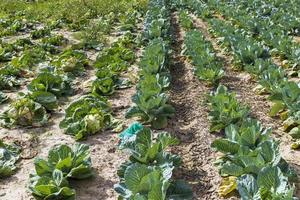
x: 149, y: 99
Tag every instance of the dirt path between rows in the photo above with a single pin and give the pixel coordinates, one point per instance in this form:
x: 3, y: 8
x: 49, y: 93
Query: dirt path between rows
x: 243, y: 85
x: 190, y: 123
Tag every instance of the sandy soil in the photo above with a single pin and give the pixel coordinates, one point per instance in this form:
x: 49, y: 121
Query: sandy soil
x: 297, y: 39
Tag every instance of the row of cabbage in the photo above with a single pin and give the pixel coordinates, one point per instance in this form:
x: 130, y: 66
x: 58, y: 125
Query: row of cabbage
x: 287, y: 13
x: 151, y: 100
x: 148, y: 174
x: 207, y: 66
x: 255, y: 58
x: 272, y: 79
x: 289, y: 8
x: 20, y: 22
x: 251, y: 162
x: 17, y: 23
x: 270, y: 24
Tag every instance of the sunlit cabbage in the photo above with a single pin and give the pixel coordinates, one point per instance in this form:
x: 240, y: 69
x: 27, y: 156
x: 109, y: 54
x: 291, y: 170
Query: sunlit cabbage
x: 94, y: 122
x: 24, y: 112
x: 8, y: 82
x: 74, y: 162
x: 71, y: 61
x: 86, y: 116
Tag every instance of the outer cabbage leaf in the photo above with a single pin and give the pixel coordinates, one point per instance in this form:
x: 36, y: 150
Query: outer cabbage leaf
x: 55, y: 186
x: 3, y: 97
x: 8, y: 82
x: 9, y: 155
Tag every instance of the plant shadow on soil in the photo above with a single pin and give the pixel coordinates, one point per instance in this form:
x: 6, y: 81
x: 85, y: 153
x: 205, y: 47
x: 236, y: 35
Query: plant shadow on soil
x: 92, y: 188
x: 106, y: 161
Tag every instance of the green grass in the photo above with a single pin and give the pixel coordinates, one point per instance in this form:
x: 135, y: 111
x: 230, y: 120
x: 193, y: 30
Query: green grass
x: 74, y: 11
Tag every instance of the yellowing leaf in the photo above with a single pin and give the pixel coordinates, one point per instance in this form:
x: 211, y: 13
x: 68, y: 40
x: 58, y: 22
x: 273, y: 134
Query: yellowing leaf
x: 284, y: 115
x: 288, y: 124
x: 296, y: 145
x: 228, y: 185
x: 276, y: 107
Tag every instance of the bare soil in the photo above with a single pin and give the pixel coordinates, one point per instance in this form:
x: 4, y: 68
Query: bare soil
x: 190, y: 123
x: 297, y: 38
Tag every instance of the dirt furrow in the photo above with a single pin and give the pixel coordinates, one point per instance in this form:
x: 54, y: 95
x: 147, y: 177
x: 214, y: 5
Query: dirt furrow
x: 190, y: 123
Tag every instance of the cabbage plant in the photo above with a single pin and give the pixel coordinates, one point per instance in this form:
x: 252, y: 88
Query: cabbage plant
x: 71, y: 61
x: 52, y: 176
x: 24, y: 112
x: 269, y: 184
x: 8, y: 82
x: 143, y: 148
x: 86, y: 116
x: 148, y: 174
x: 73, y: 162
x: 9, y: 155
x: 225, y: 109
x: 148, y: 182
x: 58, y: 85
